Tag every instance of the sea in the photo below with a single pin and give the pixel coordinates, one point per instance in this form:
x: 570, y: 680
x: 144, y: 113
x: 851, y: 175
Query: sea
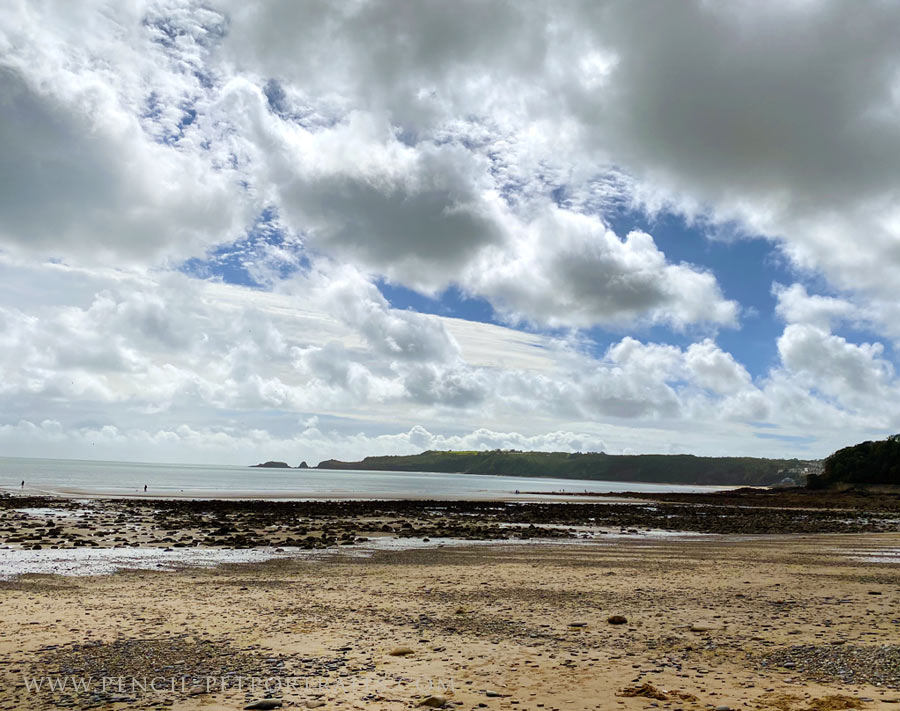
x: 86, y: 478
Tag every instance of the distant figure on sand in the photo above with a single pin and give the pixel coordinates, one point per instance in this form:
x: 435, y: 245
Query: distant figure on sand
x: 23, y: 483
x: 145, y: 488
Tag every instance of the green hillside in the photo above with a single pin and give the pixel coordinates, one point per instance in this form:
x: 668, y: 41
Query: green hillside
x: 668, y: 468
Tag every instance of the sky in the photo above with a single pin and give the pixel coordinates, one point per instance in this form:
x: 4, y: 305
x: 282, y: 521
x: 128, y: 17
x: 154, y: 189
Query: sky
x: 238, y: 231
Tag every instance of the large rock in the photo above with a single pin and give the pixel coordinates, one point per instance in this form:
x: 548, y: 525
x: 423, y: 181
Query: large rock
x: 274, y: 465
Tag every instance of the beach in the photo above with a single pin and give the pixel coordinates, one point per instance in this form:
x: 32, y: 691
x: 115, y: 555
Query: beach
x: 806, y: 622
x: 471, y: 605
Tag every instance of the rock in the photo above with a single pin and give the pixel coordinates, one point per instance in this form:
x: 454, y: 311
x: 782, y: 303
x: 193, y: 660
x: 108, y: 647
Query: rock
x: 702, y: 627
x: 493, y: 694
x: 400, y: 651
x: 578, y: 624
x: 303, y: 465
x: 434, y: 702
x: 645, y: 690
x: 273, y: 465
x: 723, y: 708
x: 263, y: 704
x: 314, y: 704
x: 617, y: 619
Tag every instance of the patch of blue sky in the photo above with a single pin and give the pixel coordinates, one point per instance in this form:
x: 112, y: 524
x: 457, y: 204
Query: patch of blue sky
x: 452, y: 302
x: 304, y: 114
x: 238, y: 262
x: 164, y: 131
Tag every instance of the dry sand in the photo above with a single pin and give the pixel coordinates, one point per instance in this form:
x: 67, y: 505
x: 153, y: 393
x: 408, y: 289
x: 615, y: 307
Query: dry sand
x: 485, y: 627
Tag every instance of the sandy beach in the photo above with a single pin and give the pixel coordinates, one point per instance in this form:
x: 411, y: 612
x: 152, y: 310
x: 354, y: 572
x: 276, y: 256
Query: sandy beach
x: 789, y: 621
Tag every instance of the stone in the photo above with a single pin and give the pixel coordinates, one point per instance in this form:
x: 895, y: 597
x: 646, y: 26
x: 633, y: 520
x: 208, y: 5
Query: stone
x: 702, y: 627
x: 264, y: 704
x: 400, y: 651
x: 314, y: 704
x: 617, y: 619
x: 434, y: 702
x: 578, y: 624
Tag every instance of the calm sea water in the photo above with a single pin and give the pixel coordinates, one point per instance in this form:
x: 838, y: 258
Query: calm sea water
x: 100, y: 478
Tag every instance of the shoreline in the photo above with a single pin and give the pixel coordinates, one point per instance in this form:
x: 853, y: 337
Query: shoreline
x: 281, y: 496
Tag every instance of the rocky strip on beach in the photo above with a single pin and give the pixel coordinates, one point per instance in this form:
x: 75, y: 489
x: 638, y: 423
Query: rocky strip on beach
x: 859, y: 499
x: 35, y: 522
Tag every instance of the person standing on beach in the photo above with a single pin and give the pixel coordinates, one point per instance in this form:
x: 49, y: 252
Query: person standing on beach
x: 145, y: 488
x: 23, y: 483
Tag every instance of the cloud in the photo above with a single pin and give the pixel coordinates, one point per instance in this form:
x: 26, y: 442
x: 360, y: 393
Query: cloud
x: 327, y: 148
x: 369, y: 171
x: 229, y: 446
x: 767, y: 118
x: 143, y: 352
x: 780, y: 117
x: 796, y: 305
x: 855, y: 375
x: 566, y: 269
x: 92, y: 171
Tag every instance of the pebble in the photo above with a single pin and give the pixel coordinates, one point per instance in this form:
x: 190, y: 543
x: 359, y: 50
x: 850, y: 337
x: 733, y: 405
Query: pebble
x: 617, y: 619
x: 434, y: 702
x: 400, y: 651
